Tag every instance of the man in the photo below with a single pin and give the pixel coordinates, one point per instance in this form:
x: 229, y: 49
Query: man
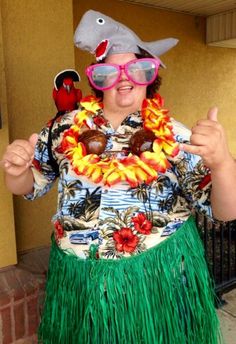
x: 127, y: 265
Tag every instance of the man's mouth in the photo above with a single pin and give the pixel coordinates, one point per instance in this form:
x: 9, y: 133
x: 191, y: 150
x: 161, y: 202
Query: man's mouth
x: 124, y: 88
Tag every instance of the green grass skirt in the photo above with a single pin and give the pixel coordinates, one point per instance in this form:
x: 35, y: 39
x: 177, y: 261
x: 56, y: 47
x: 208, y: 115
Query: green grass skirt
x: 161, y: 296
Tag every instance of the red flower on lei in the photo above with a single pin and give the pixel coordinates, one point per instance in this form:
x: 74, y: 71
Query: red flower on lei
x: 142, y: 224
x: 126, y: 240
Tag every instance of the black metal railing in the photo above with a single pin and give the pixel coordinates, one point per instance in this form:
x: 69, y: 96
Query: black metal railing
x: 219, y: 240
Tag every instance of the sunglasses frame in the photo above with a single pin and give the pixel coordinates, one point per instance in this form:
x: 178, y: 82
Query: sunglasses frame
x: 121, y: 68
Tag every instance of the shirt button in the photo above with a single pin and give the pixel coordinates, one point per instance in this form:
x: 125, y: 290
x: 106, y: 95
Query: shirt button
x: 105, y: 191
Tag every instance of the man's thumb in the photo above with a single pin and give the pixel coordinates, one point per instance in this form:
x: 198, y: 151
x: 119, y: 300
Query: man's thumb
x: 33, y: 139
x: 212, y: 114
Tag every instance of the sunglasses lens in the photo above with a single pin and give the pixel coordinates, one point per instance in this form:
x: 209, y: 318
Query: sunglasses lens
x: 104, y: 76
x: 142, y: 72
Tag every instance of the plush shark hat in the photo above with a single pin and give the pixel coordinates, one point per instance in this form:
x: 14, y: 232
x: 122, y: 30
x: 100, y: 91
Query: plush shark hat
x: 103, y: 36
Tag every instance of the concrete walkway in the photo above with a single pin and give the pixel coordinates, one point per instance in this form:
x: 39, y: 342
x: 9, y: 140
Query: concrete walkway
x: 227, y: 315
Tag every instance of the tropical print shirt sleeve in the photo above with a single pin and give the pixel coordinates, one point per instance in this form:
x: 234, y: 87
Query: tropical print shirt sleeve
x: 43, y: 171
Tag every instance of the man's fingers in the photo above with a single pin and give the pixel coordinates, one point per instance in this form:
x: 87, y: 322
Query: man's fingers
x: 18, y: 159
x: 192, y: 149
x: 33, y: 139
x: 14, y: 170
x: 20, y: 147
x: 18, y: 153
x: 212, y: 114
x: 3, y: 163
x: 203, y: 130
x: 23, y: 148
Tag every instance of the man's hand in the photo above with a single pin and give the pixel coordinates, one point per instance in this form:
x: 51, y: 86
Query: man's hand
x: 18, y: 156
x: 208, y: 140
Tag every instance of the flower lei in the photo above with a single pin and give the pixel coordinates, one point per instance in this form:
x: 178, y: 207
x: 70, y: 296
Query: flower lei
x: 132, y: 168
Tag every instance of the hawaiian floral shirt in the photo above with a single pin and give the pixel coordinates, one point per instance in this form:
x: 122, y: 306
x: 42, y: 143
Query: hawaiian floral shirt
x: 93, y: 220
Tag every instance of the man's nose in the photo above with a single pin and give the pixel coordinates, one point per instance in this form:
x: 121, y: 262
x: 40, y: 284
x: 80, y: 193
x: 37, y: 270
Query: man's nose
x: 123, y: 75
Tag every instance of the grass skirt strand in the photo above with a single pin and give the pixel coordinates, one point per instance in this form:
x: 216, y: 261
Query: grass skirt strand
x: 161, y: 296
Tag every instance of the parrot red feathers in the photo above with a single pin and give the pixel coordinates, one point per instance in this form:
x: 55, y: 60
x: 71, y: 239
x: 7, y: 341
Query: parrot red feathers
x: 65, y: 95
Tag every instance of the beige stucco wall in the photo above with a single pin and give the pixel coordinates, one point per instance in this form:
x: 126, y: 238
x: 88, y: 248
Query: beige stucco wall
x: 38, y: 43
x: 7, y: 227
x: 37, y: 37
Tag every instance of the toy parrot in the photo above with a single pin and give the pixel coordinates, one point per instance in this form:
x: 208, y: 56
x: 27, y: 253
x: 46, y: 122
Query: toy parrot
x: 65, y: 95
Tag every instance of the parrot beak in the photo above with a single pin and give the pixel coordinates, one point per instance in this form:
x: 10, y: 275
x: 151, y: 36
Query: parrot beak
x: 67, y: 87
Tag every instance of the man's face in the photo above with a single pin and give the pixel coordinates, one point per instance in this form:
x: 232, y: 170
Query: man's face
x: 125, y: 94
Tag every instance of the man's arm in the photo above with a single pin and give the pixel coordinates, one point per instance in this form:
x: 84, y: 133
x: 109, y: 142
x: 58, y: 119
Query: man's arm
x: 208, y: 140
x: 223, y: 194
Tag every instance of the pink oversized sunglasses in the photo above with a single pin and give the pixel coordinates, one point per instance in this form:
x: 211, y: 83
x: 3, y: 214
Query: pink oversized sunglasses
x: 104, y: 76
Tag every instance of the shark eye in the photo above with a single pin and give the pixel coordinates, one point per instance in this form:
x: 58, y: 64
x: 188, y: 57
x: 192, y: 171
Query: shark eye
x: 100, y: 21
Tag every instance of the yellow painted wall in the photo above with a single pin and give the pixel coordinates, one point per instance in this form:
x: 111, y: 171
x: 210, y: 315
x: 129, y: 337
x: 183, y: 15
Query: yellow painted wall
x: 7, y: 228
x: 197, y: 76
x: 37, y: 38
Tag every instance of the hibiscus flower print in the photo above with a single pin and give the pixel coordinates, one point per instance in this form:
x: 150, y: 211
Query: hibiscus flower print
x: 142, y: 224
x: 125, y: 240
x: 59, y: 231
x: 37, y: 165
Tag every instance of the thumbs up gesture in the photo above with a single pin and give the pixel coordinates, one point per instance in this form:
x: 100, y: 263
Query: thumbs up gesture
x: 18, y: 156
x: 208, y: 140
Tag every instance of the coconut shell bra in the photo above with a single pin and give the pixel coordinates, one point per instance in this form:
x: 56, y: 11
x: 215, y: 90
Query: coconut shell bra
x: 149, y: 147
